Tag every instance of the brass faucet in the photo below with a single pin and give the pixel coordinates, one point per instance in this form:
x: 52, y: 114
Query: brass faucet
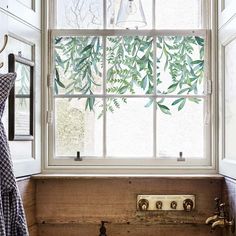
x: 221, y: 218
x: 215, y: 217
x: 222, y: 223
x: 211, y: 219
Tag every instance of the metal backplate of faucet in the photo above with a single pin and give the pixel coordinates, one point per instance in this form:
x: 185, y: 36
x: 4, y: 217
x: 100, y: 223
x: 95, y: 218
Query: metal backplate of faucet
x: 166, y: 203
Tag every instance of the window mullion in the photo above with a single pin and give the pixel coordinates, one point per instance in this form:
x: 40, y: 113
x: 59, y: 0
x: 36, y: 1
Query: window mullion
x: 131, y: 96
x: 122, y: 32
x: 104, y: 14
x: 153, y: 14
x: 154, y: 81
x: 104, y: 99
x: 104, y: 81
x: 155, y: 99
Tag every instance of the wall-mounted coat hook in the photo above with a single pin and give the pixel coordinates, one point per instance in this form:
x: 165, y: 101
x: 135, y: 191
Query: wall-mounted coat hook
x: 3, y: 47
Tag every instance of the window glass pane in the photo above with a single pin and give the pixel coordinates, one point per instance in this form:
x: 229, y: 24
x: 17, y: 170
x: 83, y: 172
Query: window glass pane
x: 78, y: 62
x: 130, y: 129
x: 27, y: 3
x: 78, y: 127
x: 180, y: 64
x: 19, y: 47
x: 22, y: 116
x: 79, y: 14
x: 227, y: 2
x: 178, y: 14
x: 113, y: 7
x: 22, y: 84
x: 129, y: 65
x: 230, y: 101
x: 182, y: 130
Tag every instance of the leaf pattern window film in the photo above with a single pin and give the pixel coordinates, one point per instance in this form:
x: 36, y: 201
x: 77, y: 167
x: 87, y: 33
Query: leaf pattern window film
x: 129, y: 65
x: 22, y: 102
x: 78, y: 65
x: 180, y: 64
x: 80, y: 120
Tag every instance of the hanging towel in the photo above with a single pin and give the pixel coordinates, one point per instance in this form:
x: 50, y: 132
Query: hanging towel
x: 12, y: 217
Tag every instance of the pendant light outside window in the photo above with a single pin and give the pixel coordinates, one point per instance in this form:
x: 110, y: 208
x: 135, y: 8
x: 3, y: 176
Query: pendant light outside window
x: 131, y: 14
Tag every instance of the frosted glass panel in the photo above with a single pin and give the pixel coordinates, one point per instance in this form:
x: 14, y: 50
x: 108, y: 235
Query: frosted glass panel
x: 22, y: 116
x: 78, y: 128
x: 178, y: 14
x: 230, y: 101
x: 130, y: 129
x: 181, y: 131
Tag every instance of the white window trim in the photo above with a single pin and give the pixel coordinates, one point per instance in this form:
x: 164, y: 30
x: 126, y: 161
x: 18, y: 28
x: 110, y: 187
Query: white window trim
x: 227, y: 34
x: 148, y: 166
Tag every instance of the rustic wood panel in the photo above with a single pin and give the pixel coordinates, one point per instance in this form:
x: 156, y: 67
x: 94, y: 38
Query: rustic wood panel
x: 125, y: 230
x: 27, y: 191
x: 78, y: 205
x: 230, y: 199
x: 33, y: 230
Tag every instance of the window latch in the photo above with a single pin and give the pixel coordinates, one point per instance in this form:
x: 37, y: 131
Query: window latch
x: 180, y: 158
x: 50, y: 80
x: 78, y: 157
x: 49, y: 117
x: 209, y: 87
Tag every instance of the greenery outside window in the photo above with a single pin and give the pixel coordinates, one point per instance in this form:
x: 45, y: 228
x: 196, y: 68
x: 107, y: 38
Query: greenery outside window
x: 129, y: 97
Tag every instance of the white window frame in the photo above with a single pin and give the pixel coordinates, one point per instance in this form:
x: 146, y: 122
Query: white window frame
x: 148, y: 166
x: 227, y: 34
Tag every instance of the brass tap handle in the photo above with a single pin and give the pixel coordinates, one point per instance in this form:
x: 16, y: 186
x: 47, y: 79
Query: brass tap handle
x: 217, y: 206
x: 143, y: 204
x: 222, y: 210
x: 217, y: 200
x: 173, y: 205
x: 159, y: 205
x: 188, y: 205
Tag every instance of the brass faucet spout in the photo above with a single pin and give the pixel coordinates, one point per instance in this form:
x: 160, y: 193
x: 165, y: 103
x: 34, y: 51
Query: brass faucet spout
x: 211, y: 219
x: 219, y: 223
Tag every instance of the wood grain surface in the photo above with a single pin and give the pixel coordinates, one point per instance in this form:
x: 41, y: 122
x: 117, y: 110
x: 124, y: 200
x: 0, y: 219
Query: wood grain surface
x: 77, y: 206
x: 27, y: 191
